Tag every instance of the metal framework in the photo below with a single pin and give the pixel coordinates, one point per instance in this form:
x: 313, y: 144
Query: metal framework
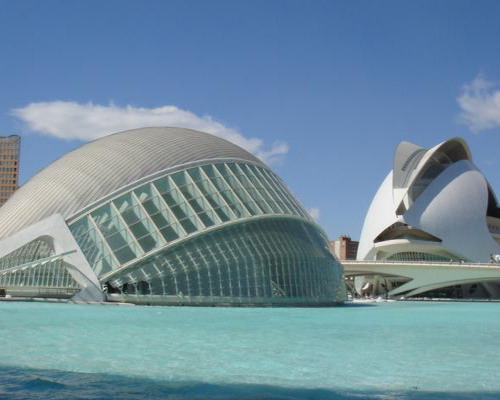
x: 164, y: 216
x: 226, y: 232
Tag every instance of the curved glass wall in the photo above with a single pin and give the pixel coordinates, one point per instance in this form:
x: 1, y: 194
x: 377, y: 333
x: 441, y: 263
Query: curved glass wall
x: 268, y: 261
x: 42, y: 274
x: 175, y: 206
x: 145, y: 245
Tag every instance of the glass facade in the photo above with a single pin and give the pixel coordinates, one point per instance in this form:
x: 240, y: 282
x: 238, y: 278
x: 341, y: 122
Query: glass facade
x: 267, y: 261
x: 176, y: 206
x: 220, y: 232
x: 42, y: 272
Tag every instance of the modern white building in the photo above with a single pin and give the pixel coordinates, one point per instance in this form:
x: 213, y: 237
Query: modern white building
x: 164, y: 216
x: 435, y: 206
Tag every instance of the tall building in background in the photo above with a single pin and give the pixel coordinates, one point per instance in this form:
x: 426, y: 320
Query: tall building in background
x: 345, y: 248
x: 9, y: 166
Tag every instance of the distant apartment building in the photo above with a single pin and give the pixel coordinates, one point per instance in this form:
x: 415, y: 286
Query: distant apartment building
x: 9, y: 166
x: 345, y: 248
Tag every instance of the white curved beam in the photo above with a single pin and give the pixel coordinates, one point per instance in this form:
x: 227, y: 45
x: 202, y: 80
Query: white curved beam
x: 425, y: 276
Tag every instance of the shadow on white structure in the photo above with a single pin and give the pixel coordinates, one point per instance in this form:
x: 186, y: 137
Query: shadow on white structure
x: 434, y: 207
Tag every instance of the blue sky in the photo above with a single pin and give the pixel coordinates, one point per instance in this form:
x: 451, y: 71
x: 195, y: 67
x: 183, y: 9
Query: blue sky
x: 328, y: 87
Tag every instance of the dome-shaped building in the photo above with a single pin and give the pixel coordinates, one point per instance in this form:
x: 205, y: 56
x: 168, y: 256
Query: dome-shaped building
x: 164, y: 216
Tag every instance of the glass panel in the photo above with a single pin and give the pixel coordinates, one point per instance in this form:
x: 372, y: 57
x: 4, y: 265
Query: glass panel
x: 214, y: 200
x: 113, y: 231
x: 195, y: 174
x: 159, y: 214
x: 180, y: 211
x: 207, y: 218
x: 137, y: 222
x: 188, y: 226
x: 172, y: 198
x: 243, y: 195
x: 93, y: 247
x: 170, y: 232
x: 179, y: 178
x: 267, y: 194
x: 282, y: 192
x: 230, y: 199
x: 162, y: 185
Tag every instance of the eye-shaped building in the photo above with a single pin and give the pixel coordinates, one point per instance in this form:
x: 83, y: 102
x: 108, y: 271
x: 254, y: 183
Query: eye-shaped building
x: 164, y: 216
x: 434, y: 206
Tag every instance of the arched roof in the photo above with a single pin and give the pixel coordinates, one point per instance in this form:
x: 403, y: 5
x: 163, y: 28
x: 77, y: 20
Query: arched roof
x: 425, y: 203
x: 103, y: 166
x: 406, y: 159
x: 410, y: 158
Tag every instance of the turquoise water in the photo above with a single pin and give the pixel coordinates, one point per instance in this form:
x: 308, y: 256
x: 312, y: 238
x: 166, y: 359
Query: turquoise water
x: 410, y: 350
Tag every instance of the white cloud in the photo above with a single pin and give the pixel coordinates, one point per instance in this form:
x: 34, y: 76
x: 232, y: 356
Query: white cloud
x: 70, y: 120
x: 480, y: 104
x: 314, y: 213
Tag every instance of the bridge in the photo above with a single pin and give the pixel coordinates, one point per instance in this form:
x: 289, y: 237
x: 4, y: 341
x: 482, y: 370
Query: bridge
x: 425, y: 275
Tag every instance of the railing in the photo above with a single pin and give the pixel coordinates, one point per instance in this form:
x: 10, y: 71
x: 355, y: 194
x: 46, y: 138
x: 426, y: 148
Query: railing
x: 443, y: 263
x: 57, y: 291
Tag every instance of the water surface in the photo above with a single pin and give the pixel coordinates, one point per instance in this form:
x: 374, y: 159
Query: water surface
x: 407, y: 350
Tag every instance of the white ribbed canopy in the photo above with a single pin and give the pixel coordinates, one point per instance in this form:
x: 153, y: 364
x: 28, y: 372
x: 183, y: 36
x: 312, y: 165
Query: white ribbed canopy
x: 103, y: 166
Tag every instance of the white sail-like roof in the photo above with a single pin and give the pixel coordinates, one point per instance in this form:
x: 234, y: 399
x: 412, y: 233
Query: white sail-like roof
x: 94, y: 170
x: 436, y: 191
